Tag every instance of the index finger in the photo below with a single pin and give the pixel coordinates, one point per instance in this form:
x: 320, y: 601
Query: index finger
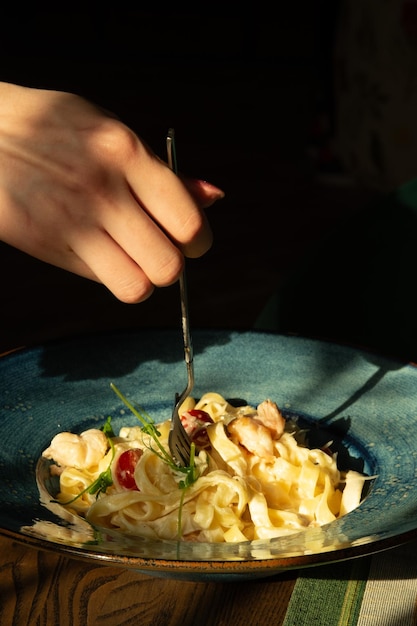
x: 166, y: 199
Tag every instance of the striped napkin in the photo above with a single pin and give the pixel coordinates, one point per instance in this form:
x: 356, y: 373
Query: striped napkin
x: 378, y: 590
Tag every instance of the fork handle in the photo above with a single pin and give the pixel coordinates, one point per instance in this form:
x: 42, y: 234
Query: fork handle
x: 186, y: 333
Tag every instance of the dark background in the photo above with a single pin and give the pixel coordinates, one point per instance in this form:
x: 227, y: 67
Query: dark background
x: 242, y: 84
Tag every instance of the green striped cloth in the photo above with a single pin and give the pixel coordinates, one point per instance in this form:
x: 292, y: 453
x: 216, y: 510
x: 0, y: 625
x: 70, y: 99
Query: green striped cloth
x: 330, y: 595
x: 378, y: 590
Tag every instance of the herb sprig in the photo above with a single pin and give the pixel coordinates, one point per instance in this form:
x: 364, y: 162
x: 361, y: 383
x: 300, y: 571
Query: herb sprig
x: 149, y: 427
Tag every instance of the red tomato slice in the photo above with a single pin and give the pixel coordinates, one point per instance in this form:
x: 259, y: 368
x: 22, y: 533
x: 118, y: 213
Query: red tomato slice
x: 195, y: 424
x: 125, y: 468
x: 201, y: 415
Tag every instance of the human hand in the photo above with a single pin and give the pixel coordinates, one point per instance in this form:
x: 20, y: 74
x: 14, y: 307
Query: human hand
x: 79, y: 190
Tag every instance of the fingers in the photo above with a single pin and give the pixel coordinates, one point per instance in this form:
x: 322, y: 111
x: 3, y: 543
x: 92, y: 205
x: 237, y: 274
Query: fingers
x: 98, y: 257
x: 157, y: 221
x: 166, y: 200
x: 142, y: 239
x: 130, y: 253
x: 176, y: 207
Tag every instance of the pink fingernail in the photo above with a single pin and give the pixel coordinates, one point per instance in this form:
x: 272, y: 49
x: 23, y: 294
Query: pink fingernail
x: 208, y: 188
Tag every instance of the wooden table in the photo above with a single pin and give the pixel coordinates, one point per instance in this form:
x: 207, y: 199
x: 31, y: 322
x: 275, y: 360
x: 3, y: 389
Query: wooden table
x: 43, y: 588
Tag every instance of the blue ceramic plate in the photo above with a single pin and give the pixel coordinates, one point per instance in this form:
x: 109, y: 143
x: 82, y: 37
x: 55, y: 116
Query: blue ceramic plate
x: 366, y: 403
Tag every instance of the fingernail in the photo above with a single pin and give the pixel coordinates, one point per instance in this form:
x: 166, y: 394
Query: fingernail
x: 211, y: 189
x: 214, y: 192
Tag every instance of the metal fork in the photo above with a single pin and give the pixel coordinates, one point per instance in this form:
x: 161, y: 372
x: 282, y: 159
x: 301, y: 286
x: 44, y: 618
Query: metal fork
x: 178, y: 440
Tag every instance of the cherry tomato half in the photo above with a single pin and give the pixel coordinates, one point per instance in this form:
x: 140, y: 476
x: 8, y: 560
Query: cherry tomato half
x: 195, y: 424
x: 201, y: 415
x: 125, y: 468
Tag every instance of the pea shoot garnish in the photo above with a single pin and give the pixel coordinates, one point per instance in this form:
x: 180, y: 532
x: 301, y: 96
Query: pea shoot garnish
x: 149, y: 427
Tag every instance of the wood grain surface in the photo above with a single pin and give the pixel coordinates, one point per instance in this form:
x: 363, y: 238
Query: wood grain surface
x: 40, y: 588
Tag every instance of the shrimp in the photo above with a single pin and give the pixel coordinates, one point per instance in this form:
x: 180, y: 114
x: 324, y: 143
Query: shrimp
x: 270, y: 416
x: 252, y: 435
x: 257, y: 432
x: 81, y: 451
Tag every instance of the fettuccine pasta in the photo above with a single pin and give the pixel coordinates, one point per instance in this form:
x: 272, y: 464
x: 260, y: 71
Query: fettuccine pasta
x: 253, y: 480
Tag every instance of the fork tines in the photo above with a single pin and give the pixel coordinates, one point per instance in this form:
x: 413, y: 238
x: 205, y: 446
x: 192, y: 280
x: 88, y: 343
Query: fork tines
x: 179, y: 441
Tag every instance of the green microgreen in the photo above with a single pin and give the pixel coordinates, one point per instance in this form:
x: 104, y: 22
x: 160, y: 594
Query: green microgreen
x: 104, y: 479
x: 107, y: 429
x: 149, y: 427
